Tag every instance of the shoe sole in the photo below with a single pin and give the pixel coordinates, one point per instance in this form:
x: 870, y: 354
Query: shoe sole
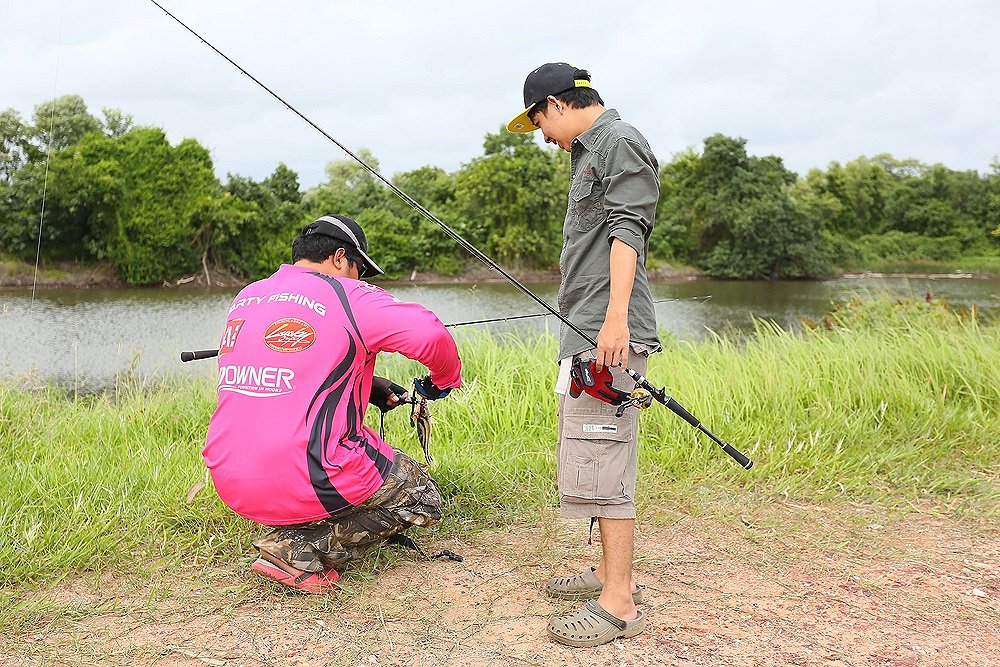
x: 589, y: 595
x: 309, y: 585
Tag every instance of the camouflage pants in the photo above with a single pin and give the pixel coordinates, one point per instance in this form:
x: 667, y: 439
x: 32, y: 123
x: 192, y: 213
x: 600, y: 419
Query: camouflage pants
x: 409, y: 497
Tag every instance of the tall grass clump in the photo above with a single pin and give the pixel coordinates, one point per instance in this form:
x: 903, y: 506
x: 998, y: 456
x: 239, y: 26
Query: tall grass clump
x: 494, y: 439
x: 882, y: 400
x: 106, y: 479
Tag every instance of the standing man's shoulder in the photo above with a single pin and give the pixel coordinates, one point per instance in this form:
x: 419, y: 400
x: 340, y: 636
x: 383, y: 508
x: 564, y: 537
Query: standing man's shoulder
x: 609, y: 130
x: 610, y: 127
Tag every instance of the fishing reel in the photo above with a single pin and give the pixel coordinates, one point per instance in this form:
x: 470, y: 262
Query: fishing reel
x: 585, y: 378
x: 638, y: 397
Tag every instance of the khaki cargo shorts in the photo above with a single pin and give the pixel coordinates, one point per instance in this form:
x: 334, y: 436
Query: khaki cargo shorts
x: 408, y: 497
x: 597, y: 453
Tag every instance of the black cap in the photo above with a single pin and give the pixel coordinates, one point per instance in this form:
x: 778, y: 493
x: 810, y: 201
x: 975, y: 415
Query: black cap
x: 344, y: 229
x: 549, y: 79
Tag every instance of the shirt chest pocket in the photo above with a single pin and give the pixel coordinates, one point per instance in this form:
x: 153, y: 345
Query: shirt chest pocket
x: 586, y: 210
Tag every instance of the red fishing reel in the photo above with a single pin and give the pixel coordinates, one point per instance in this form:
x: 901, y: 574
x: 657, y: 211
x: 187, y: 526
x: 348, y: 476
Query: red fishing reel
x: 586, y: 379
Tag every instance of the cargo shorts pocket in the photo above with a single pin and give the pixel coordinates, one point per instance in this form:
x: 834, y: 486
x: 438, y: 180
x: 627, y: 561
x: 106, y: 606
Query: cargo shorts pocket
x: 597, y: 457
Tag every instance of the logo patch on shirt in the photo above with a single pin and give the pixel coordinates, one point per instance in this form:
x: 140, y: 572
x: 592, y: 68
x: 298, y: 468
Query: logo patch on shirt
x: 256, y: 381
x: 289, y: 334
x: 229, y: 335
x: 600, y: 428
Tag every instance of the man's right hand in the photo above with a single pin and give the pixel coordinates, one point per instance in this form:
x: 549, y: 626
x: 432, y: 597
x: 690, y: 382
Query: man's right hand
x: 428, y: 389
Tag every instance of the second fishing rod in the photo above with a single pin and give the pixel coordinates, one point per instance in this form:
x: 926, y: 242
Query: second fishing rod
x: 658, y: 393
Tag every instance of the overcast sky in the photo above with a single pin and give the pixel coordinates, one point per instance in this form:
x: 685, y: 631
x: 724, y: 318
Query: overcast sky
x: 421, y: 83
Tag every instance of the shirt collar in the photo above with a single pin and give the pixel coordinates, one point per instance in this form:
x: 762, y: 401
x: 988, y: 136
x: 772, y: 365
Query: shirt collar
x: 588, y: 138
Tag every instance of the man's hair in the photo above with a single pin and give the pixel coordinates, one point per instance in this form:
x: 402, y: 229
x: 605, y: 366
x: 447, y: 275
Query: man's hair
x: 575, y: 98
x: 317, y: 247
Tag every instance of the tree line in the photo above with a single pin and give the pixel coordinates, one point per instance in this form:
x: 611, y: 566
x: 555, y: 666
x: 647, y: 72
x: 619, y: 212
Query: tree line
x: 120, y: 193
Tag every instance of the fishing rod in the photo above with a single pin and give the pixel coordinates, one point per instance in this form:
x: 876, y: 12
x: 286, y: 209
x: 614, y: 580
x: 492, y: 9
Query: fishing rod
x: 196, y: 355
x: 208, y: 354
x: 657, y: 393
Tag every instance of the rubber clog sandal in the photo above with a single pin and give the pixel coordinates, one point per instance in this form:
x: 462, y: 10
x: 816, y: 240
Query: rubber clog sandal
x: 310, y: 582
x: 593, y: 626
x: 583, y: 586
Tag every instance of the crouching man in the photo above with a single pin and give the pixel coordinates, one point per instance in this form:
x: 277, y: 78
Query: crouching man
x: 287, y: 446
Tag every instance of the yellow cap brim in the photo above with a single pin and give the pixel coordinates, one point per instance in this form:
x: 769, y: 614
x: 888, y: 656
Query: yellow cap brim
x: 520, y: 123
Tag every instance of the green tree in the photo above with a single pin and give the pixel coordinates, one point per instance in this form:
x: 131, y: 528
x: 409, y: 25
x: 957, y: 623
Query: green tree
x: 62, y: 122
x: 116, y: 122
x: 349, y: 189
x: 262, y: 238
x: 389, y: 241
x: 740, y: 219
x: 862, y: 186
x: 895, y: 206
x: 675, y: 212
x: 429, y: 248
x: 15, y: 144
x: 512, y: 200
x: 219, y: 222
x: 159, y: 219
x: 992, y: 213
x: 149, y: 208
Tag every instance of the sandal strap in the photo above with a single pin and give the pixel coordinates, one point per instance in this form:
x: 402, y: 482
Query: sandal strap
x: 595, y: 608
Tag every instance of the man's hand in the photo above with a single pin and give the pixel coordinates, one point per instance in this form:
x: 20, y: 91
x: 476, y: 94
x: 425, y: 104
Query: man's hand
x: 385, y: 394
x: 428, y: 389
x: 612, y: 343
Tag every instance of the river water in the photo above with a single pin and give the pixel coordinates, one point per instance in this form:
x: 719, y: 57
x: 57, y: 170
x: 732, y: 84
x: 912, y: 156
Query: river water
x: 84, y: 338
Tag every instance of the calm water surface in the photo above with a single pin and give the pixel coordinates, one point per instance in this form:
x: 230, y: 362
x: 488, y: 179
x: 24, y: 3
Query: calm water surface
x: 84, y: 338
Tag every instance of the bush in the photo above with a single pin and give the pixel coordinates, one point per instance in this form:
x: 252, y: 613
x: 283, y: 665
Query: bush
x: 896, y: 245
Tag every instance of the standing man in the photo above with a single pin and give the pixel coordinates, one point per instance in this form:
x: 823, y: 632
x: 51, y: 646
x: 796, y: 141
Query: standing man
x: 287, y: 446
x: 604, y: 291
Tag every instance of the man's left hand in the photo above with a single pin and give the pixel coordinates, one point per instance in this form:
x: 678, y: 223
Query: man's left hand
x: 386, y: 394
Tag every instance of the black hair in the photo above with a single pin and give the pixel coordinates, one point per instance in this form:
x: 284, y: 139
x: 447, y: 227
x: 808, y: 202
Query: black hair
x: 317, y: 247
x: 574, y: 98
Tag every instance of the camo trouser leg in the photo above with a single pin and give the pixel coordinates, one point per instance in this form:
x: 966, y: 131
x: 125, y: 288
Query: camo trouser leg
x: 409, y: 497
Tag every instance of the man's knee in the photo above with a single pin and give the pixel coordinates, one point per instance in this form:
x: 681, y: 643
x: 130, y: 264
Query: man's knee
x: 408, y: 497
x: 409, y: 494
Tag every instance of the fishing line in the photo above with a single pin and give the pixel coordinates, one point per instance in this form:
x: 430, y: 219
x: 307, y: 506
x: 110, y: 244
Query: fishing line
x: 696, y: 299
x: 659, y: 393
x: 473, y: 250
x: 48, y: 153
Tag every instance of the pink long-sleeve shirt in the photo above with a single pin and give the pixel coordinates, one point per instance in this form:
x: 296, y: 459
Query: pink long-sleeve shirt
x: 287, y: 443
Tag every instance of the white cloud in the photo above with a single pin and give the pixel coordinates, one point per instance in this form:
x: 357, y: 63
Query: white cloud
x: 422, y: 84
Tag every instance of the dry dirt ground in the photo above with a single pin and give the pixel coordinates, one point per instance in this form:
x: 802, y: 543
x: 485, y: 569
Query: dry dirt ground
x: 786, y: 585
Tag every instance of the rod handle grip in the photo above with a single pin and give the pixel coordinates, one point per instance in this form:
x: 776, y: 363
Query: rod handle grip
x: 198, y: 354
x: 738, y: 456
x: 679, y: 410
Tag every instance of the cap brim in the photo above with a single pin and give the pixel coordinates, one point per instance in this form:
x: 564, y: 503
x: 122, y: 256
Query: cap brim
x: 371, y: 269
x: 521, y: 123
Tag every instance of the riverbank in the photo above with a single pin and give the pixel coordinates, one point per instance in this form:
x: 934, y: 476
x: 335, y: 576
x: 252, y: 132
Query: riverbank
x: 20, y: 275
x: 73, y: 275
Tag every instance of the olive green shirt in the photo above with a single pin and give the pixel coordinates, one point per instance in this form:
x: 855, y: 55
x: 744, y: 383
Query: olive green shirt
x: 613, y: 193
